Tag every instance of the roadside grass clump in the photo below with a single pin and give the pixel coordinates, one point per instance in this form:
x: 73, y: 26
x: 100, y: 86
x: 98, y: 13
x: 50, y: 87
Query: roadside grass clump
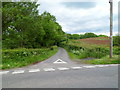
x: 12, y: 58
x: 105, y: 60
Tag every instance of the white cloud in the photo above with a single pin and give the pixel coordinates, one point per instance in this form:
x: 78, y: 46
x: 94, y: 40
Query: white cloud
x: 81, y: 20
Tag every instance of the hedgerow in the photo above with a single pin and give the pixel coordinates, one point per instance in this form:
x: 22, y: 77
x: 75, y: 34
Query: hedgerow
x: 21, y: 57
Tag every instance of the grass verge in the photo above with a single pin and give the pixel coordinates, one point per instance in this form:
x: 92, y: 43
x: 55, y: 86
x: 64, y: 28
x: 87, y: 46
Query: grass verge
x: 103, y: 60
x: 23, y: 57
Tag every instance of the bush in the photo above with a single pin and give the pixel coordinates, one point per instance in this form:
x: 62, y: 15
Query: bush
x: 116, y: 50
x: 116, y: 40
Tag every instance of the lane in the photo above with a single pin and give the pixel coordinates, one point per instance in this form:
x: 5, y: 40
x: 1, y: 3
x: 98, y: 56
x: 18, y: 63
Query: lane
x: 61, y: 75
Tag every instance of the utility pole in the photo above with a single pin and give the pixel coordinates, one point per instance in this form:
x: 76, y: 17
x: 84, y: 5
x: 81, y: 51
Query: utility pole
x: 111, y: 27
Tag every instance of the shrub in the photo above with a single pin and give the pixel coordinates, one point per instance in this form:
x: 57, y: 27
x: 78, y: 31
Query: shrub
x: 116, y: 40
x: 116, y: 50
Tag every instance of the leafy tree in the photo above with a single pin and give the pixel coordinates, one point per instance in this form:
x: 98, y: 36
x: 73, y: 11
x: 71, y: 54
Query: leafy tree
x: 89, y: 35
x: 18, y: 17
x: 24, y: 27
x: 53, y: 31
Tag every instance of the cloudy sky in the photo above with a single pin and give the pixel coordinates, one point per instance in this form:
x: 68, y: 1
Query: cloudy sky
x: 78, y: 16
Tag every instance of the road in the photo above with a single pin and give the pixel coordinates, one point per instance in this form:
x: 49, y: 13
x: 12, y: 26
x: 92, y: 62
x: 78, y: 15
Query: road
x: 60, y: 72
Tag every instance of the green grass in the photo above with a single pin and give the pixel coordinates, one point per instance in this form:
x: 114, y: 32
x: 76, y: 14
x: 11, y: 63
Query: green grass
x: 72, y: 55
x: 25, y: 57
x: 105, y: 60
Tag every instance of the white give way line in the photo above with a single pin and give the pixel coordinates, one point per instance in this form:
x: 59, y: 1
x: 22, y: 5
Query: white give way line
x: 58, y: 68
x: 19, y: 71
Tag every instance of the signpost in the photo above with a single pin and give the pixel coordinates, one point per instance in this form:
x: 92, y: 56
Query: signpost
x: 111, y: 27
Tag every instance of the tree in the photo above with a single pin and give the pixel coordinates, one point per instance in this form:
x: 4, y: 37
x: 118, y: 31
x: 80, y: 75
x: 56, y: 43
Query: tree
x: 24, y: 27
x: 53, y: 31
x: 89, y: 35
x: 18, y: 17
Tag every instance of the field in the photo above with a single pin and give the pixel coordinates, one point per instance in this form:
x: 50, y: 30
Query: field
x: 92, y: 42
x: 97, y: 41
x: 97, y: 48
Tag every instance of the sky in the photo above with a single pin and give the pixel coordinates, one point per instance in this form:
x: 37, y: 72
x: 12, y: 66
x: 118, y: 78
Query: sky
x: 82, y: 16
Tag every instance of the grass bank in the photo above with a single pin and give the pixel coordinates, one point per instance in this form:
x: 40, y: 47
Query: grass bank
x: 103, y: 60
x: 13, y: 58
x: 91, y: 48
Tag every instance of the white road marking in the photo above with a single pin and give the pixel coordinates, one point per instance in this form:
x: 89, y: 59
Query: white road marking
x: 106, y: 65
x: 3, y: 72
x: 34, y: 70
x: 17, y: 72
x: 60, y: 68
x: 76, y: 67
x: 99, y: 65
x: 102, y: 65
x: 49, y: 69
x: 59, y: 61
x: 113, y: 65
x: 63, y: 68
x: 89, y: 66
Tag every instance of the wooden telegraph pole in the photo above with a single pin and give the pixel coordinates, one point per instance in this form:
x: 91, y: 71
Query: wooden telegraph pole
x: 111, y: 27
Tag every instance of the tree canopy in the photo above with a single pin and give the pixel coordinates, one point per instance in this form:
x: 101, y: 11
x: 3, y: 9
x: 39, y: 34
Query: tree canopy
x: 24, y: 27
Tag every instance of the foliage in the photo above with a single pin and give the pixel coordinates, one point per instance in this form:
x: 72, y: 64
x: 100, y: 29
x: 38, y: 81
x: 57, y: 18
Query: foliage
x: 83, y: 52
x: 88, y: 35
x: 23, y: 27
x: 116, y: 40
x: 12, y: 58
x: 102, y: 35
x: 83, y: 36
x: 116, y: 50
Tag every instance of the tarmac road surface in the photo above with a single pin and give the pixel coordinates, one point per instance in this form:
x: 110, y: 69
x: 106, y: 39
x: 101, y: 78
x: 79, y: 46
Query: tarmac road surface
x: 60, y: 72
